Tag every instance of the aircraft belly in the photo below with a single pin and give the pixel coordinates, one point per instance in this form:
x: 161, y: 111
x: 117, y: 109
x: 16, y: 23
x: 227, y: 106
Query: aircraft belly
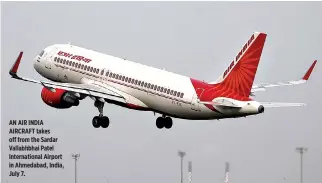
x: 175, y: 108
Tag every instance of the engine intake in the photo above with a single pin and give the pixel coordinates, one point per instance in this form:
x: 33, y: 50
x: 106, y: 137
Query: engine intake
x: 60, y: 99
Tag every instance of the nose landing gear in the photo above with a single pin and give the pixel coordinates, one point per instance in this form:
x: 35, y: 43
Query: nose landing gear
x: 100, y: 120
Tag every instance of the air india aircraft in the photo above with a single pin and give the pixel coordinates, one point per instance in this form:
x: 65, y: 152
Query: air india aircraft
x: 76, y: 73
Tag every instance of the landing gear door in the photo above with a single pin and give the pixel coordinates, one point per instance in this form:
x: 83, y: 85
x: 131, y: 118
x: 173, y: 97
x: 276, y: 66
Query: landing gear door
x: 195, y: 99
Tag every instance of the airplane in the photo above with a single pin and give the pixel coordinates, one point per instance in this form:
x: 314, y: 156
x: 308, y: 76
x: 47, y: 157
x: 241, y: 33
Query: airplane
x: 76, y: 73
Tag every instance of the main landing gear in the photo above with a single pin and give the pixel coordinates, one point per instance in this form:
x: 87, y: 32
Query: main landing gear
x: 164, y: 122
x: 100, y: 121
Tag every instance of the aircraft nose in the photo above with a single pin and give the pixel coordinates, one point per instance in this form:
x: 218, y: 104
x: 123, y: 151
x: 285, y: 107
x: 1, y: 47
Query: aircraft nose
x: 261, y: 109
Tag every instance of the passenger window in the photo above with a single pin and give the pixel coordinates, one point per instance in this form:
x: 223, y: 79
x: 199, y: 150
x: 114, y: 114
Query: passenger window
x: 94, y: 70
x: 126, y: 79
x: 41, y: 53
x: 55, y: 59
x: 142, y: 84
x: 158, y: 88
x: 70, y: 63
x: 175, y: 93
x: 132, y: 81
x: 181, y: 95
x: 73, y: 63
x: 114, y: 75
x: 102, y: 72
x: 152, y: 86
x: 149, y: 85
x: 171, y: 91
x: 145, y: 84
x: 178, y: 94
x: 168, y: 91
x: 76, y: 65
x: 107, y: 74
x: 123, y: 77
x: 139, y: 83
x: 117, y: 76
x: 67, y: 62
x: 111, y: 74
x: 129, y: 80
x: 155, y: 87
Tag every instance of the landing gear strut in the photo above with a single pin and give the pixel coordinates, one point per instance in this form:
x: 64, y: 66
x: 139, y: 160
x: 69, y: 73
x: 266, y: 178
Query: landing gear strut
x: 164, y: 121
x: 101, y: 120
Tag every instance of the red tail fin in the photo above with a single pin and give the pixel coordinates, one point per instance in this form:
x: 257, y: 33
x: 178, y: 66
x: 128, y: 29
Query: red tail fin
x: 240, y: 74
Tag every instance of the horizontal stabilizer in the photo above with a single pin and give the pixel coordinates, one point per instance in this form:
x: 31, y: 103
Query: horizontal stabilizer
x: 263, y: 86
x: 222, y: 103
x: 278, y: 104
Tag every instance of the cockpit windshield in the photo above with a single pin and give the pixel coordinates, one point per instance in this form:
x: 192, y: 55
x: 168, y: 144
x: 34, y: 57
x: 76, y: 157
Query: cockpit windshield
x: 41, y: 53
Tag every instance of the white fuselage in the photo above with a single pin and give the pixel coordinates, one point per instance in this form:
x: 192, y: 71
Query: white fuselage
x: 53, y: 65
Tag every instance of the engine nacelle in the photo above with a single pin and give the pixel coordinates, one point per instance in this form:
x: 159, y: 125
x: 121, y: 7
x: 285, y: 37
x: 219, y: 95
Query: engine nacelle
x: 60, y: 99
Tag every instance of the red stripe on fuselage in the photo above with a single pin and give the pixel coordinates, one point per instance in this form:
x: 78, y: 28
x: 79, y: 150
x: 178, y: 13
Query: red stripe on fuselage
x: 212, y: 91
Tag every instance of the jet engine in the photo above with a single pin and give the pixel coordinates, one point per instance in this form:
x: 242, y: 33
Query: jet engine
x: 59, y: 98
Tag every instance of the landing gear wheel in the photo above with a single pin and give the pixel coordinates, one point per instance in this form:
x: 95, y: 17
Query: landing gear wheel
x: 159, y: 122
x: 101, y: 120
x: 167, y: 122
x: 105, y: 122
x: 96, y: 122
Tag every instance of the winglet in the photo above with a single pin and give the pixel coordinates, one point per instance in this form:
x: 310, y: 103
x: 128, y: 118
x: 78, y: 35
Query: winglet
x: 309, y: 71
x: 14, y: 68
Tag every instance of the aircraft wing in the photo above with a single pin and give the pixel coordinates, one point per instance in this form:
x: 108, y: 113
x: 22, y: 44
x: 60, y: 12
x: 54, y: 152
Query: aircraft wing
x: 263, y: 86
x: 107, y: 92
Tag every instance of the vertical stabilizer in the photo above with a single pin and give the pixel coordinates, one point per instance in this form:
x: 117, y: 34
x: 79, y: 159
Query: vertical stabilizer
x: 240, y: 74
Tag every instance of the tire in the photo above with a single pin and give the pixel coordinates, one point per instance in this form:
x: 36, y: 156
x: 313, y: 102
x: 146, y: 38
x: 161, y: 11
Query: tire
x: 167, y: 122
x: 105, y: 122
x: 159, y: 122
x: 96, y: 122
